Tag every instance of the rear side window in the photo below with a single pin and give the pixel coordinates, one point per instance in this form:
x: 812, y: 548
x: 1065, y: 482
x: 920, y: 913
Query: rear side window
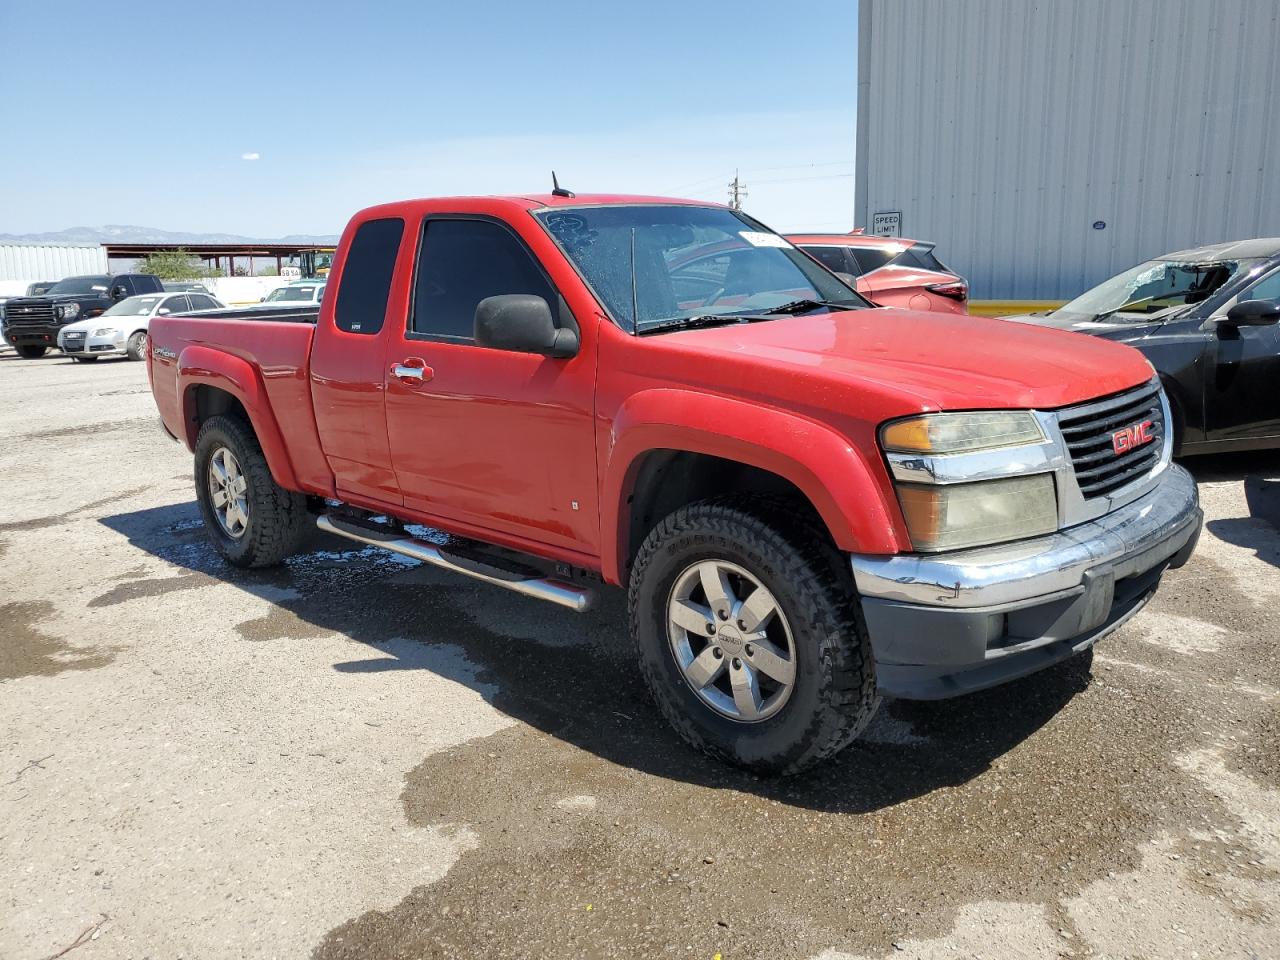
x: 461, y: 262
x: 176, y: 304
x: 870, y: 258
x: 833, y: 258
x: 366, y: 276
x: 921, y: 257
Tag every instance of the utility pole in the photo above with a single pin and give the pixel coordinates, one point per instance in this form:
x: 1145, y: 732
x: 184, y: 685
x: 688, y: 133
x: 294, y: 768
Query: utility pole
x: 737, y: 190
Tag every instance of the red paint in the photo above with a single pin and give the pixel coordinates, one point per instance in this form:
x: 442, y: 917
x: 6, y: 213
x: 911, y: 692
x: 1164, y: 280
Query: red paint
x: 896, y: 286
x: 1132, y: 437
x: 499, y: 446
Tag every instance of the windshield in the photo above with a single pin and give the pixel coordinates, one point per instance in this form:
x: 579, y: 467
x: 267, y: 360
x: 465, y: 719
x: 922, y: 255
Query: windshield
x: 688, y: 261
x: 81, y: 285
x: 132, y: 307
x: 292, y: 294
x: 1154, y: 287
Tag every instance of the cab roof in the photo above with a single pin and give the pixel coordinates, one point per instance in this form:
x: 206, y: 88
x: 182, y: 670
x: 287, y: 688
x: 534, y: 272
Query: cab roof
x: 1259, y: 247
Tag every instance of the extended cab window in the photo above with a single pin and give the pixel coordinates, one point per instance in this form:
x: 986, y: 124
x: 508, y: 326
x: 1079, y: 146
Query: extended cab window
x: 366, y: 276
x: 461, y: 262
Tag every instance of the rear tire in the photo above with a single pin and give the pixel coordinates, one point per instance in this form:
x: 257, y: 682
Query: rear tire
x: 136, y: 347
x: 752, y: 544
x: 267, y: 522
x: 31, y: 351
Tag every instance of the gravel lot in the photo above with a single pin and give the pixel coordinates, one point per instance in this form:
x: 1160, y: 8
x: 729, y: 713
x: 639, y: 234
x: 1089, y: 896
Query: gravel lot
x: 355, y: 756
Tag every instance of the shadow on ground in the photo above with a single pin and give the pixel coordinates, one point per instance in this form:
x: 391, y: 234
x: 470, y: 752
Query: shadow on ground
x: 598, y: 833
x: 1259, y: 472
x: 569, y: 675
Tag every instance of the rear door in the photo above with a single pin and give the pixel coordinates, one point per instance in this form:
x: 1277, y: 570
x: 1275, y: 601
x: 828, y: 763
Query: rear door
x: 1242, y: 392
x: 347, y: 382
x: 490, y: 439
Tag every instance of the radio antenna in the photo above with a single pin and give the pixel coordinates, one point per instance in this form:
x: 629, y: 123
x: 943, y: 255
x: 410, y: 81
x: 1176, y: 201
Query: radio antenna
x: 557, y: 190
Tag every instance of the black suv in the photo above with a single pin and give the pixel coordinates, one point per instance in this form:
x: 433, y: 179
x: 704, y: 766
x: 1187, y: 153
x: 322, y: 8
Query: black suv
x: 31, y: 324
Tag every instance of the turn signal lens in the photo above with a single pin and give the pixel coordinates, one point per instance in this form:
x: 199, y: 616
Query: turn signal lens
x: 952, y: 516
x: 941, y: 433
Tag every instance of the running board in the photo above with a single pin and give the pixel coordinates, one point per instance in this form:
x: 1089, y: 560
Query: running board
x: 553, y: 591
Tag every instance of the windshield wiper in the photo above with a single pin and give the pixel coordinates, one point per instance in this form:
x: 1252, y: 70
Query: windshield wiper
x: 804, y: 304
x: 703, y: 320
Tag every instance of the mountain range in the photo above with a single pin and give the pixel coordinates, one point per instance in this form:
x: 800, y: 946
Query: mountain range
x: 120, y: 233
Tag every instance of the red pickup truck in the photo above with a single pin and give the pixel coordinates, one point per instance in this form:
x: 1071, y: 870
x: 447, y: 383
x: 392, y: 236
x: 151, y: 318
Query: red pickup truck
x: 811, y: 502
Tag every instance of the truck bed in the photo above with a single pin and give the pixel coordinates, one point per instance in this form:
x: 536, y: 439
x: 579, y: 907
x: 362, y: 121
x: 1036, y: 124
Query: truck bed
x: 273, y: 379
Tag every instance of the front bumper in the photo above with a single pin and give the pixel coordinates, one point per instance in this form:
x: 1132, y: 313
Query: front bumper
x: 91, y: 346
x: 947, y: 624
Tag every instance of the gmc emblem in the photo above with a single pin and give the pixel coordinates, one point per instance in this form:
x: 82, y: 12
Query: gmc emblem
x: 1132, y: 437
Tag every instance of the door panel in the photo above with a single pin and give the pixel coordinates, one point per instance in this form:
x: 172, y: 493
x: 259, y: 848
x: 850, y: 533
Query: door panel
x: 1242, y: 397
x: 496, y: 439
x: 490, y: 438
x: 348, y: 360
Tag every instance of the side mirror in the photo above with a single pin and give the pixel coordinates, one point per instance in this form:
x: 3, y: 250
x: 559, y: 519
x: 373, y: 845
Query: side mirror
x: 119, y: 293
x: 1254, y: 313
x: 522, y: 323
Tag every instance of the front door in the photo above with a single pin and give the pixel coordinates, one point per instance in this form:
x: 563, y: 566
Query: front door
x: 1242, y: 392
x: 490, y: 439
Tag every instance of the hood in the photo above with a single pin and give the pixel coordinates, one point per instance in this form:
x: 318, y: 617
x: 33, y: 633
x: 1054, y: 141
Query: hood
x: 917, y: 360
x: 87, y: 326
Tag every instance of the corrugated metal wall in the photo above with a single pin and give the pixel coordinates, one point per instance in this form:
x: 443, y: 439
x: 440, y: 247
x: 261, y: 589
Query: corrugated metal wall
x: 29, y: 262
x: 1003, y: 129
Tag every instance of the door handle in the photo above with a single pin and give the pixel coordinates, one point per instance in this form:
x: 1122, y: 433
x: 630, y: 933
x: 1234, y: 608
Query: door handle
x: 412, y: 370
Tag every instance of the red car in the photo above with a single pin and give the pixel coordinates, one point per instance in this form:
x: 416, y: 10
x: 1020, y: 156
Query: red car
x: 808, y: 506
x: 889, y: 271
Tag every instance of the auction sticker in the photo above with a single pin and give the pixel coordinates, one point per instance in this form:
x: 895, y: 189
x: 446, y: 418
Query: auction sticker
x: 758, y: 239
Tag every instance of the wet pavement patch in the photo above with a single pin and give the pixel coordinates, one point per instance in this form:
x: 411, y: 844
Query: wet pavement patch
x: 154, y: 587
x: 26, y: 651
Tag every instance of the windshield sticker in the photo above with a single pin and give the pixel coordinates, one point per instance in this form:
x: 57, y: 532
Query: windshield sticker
x: 758, y: 239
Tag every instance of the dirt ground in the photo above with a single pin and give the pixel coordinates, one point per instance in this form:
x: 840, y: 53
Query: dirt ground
x: 358, y: 757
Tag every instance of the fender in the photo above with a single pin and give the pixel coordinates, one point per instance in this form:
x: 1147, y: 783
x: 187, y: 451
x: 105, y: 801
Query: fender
x: 203, y: 366
x: 853, y: 497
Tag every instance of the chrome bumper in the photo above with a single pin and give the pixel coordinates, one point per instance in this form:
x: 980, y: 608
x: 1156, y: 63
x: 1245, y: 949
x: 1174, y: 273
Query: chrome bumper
x: 946, y: 624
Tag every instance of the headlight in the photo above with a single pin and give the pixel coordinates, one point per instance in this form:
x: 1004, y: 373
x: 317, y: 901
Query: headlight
x: 942, y: 433
x: 68, y: 310
x: 103, y: 332
x: 951, y: 516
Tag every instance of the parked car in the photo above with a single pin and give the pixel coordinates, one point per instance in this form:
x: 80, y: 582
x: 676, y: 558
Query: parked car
x: 889, y: 271
x: 185, y: 286
x: 123, y: 327
x: 808, y: 505
x: 33, y: 322
x: 40, y: 287
x: 1206, y: 318
x: 296, y: 293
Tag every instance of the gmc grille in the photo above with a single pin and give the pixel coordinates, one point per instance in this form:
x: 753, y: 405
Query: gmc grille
x: 28, y: 314
x: 1089, y: 430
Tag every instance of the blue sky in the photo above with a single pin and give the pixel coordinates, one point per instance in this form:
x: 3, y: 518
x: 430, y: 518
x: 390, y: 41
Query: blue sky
x: 140, y: 113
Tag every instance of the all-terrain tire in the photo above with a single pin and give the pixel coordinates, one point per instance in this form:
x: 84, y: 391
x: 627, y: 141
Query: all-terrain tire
x: 31, y: 351
x: 834, y: 692
x: 136, y: 345
x: 277, y: 518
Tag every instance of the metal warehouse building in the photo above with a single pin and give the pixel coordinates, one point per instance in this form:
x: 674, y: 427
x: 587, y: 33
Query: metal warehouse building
x: 1048, y: 145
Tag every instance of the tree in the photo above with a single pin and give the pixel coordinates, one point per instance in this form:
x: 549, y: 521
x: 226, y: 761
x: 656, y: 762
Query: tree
x: 172, y: 265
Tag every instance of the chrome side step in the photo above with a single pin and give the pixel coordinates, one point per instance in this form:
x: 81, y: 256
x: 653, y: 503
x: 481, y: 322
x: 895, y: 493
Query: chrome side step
x: 553, y: 591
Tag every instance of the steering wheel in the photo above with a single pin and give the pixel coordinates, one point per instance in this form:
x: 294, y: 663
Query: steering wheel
x: 715, y: 295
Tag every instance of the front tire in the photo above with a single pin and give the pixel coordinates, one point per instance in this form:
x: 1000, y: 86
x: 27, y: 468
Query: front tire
x: 750, y: 637
x: 31, y: 351
x: 136, y: 346
x: 251, y: 519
